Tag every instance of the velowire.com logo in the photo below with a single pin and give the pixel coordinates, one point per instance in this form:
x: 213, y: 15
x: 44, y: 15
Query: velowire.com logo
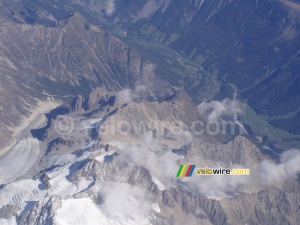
x: 188, y: 170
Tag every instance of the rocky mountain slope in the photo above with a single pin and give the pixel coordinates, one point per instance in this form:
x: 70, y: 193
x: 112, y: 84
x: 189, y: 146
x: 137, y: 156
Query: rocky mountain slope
x: 100, y: 158
x: 256, y: 56
x: 62, y: 61
x: 153, y: 81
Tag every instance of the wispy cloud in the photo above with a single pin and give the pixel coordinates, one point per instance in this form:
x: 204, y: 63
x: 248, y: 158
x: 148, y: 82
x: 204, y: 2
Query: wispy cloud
x: 266, y: 174
x: 291, y: 5
x: 110, y: 7
x: 125, y: 96
x: 125, y: 203
x: 272, y: 174
x: 215, y: 110
x: 160, y: 163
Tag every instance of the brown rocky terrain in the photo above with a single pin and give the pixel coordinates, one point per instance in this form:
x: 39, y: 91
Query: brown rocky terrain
x: 62, y: 61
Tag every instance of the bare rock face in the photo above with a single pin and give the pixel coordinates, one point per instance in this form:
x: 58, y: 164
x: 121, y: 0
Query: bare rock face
x: 69, y: 59
x: 8, y: 211
x: 43, y: 212
x: 239, y: 151
x: 115, y: 168
x: 282, y: 207
x: 125, y: 140
x: 177, y: 206
x: 77, y: 103
x: 245, y: 209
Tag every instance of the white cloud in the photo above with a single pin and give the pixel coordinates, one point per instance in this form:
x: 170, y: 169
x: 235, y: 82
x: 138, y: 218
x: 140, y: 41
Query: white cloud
x: 272, y: 174
x: 151, y: 152
x: 267, y: 174
x: 140, y: 90
x: 149, y: 68
x: 110, y: 7
x: 217, y: 186
x: 125, y: 203
x: 148, y: 152
x: 215, y: 110
x: 291, y: 5
x: 124, y: 96
x: 143, y: 153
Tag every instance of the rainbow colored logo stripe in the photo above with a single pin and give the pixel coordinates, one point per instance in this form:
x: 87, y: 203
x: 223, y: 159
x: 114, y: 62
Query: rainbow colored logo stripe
x: 186, y: 170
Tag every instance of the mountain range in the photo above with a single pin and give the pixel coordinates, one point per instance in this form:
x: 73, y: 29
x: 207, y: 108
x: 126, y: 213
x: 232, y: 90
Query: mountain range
x: 100, y: 102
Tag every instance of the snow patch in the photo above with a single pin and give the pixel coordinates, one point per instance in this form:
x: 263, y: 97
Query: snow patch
x: 19, y: 160
x: 160, y: 186
x: 119, y: 144
x: 101, y: 157
x: 11, y: 221
x: 80, y: 211
x: 83, y: 184
x: 20, y: 192
x: 60, y: 160
x: 41, y: 108
x: 60, y: 186
x: 84, y: 212
x: 156, y: 208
